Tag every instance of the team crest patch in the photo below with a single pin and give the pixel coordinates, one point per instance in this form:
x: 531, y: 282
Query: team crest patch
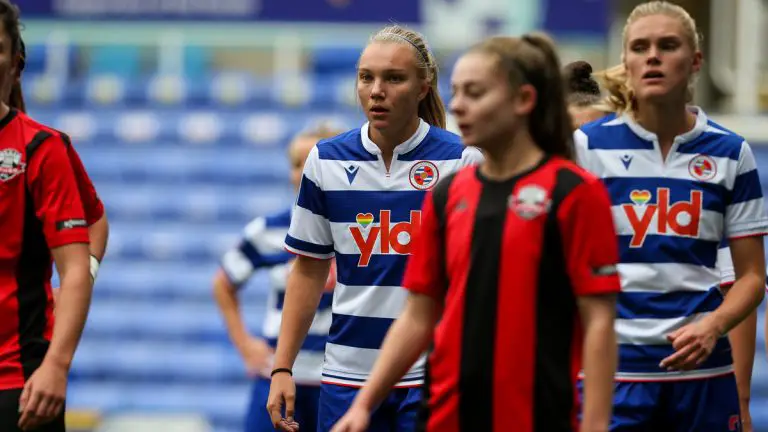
x: 702, y: 167
x: 10, y: 164
x: 424, y: 175
x: 530, y: 202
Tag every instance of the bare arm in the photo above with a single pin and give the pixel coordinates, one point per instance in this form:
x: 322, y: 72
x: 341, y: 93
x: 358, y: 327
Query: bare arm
x: 600, y: 352
x: 226, y: 298
x: 408, y: 338
x: 98, y: 233
x: 72, y: 263
x: 748, y: 290
x: 304, y: 288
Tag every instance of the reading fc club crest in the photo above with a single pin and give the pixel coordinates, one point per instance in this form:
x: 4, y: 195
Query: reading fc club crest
x: 10, y: 164
x: 424, y: 175
x: 703, y: 168
x: 529, y: 202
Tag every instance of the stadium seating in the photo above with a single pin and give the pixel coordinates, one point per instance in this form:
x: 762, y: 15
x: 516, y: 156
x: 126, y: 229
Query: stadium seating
x: 182, y: 165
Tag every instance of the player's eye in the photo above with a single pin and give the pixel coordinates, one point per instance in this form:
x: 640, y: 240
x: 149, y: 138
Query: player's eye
x: 365, y: 77
x: 396, y: 78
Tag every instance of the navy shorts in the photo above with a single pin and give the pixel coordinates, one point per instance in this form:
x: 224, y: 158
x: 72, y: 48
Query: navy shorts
x: 398, y: 413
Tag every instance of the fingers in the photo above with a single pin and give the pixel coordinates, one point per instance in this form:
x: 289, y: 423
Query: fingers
x: 672, y: 362
x: 274, y: 407
x: 40, y: 408
x: 290, y: 402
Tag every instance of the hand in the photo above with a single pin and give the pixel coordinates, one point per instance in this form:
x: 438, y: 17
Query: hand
x: 42, y: 399
x: 282, y: 390
x: 693, y: 345
x: 257, y: 355
x: 355, y: 420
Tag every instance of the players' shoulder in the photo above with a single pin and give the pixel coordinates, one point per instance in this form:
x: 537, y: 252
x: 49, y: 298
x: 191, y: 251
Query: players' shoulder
x: 32, y: 128
x: 345, y: 146
x: 602, y: 125
x: 569, y: 175
x: 437, y: 145
x: 717, y: 140
x: 278, y: 220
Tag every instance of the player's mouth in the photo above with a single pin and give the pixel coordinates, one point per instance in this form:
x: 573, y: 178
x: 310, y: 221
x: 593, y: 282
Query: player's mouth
x: 653, y: 77
x: 378, y: 111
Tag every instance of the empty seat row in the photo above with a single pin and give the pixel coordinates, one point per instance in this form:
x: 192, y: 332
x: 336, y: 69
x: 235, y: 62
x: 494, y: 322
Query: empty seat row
x: 122, y: 280
x: 261, y: 129
x: 159, y: 361
x: 180, y: 321
x: 224, y: 404
x: 163, y: 203
x: 219, y: 90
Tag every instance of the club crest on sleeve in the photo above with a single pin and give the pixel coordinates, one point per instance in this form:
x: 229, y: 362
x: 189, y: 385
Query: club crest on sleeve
x: 529, y: 202
x: 702, y: 167
x: 424, y: 175
x: 10, y: 164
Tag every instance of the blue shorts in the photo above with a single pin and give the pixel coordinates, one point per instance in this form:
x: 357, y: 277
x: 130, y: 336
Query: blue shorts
x: 701, y: 405
x: 398, y: 413
x: 258, y: 420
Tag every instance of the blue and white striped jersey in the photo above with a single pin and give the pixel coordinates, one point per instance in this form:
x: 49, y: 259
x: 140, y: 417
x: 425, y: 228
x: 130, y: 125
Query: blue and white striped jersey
x: 671, y: 216
x: 351, y: 207
x: 262, y: 248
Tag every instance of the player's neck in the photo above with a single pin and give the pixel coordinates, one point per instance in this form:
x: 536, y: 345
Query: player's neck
x: 667, y: 121
x: 4, y: 109
x: 387, y: 140
x: 511, y: 158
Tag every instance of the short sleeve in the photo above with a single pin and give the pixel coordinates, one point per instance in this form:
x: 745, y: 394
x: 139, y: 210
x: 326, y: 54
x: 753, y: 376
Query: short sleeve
x: 261, y: 246
x: 589, y: 240
x: 310, y: 231
x: 55, y: 194
x: 471, y: 156
x: 745, y: 213
x: 92, y: 205
x: 581, y: 145
x: 424, y: 270
x: 725, y: 265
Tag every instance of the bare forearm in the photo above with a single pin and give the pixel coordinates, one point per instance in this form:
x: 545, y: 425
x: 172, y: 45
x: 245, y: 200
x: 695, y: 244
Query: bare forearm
x: 98, y: 233
x: 302, y: 297
x: 408, y: 338
x: 229, y: 306
x: 742, y: 339
x: 743, y: 299
x: 600, y: 358
x: 71, y: 313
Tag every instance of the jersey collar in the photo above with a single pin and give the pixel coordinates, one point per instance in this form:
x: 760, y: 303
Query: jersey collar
x: 701, y: 125
x: 409, y: 144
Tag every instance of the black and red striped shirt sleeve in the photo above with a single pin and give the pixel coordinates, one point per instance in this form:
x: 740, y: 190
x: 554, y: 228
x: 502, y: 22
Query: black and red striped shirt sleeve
x: 424, y: 270
x: 55, y: 194
x: 590, y: 245
x: 92, y: 205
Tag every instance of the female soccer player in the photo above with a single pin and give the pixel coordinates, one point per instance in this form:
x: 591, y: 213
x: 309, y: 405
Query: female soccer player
x: 360, y: 201
x: 260, y: 248
x: 95, y: 216
x: 583, y: 93
x: 41, y: 217
x: 517, y: 256
x: 680, y: 184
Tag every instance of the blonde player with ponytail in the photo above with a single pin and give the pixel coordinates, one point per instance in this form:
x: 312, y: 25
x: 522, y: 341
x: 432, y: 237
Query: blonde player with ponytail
x: 360, y: 201
x: 681, y: 186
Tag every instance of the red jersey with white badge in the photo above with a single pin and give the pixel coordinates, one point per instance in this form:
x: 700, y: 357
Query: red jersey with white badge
x: 40, y: 210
